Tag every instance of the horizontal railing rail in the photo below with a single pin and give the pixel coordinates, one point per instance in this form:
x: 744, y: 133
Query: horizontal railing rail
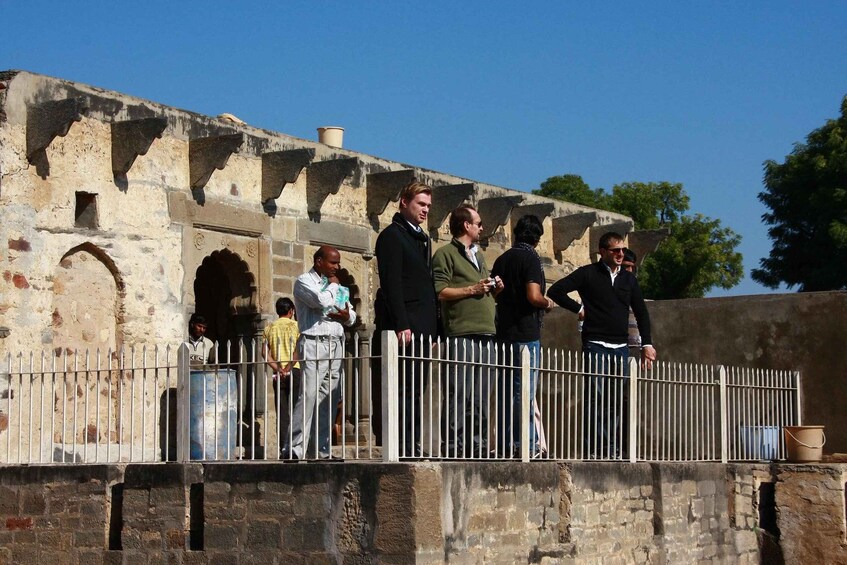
x: 466, y: 399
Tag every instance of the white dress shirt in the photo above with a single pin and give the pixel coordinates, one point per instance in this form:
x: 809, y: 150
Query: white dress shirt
x: 313, y: 295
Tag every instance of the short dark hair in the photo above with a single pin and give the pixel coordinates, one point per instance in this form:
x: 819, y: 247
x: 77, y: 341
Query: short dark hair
x: 458, y: 218
x: 629, y: 255
x: 608, y: 237
x: 197, y: 319
x: 284, y: 305
x: 529, y: 229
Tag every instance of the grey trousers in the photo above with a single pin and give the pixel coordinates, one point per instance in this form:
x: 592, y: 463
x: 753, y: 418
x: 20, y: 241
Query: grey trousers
x: 320, y: 365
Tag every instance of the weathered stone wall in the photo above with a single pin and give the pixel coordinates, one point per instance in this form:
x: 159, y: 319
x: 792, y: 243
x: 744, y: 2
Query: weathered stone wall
x: 540, y: 512
x: 200, y: 188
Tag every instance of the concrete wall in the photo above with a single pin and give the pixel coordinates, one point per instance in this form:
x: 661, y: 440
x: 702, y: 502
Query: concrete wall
x: 422, y: 513
x: 806, y: 332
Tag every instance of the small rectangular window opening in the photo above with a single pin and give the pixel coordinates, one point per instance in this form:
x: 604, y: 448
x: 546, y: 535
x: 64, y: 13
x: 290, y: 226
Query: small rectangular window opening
x: 85, y: 211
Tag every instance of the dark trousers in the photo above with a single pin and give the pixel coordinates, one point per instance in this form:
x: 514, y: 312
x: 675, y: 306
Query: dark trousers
x: 605, y: 401
x: 464, y: 412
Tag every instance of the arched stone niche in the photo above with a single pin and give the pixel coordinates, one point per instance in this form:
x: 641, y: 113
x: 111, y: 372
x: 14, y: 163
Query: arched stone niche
x: 88, y: 295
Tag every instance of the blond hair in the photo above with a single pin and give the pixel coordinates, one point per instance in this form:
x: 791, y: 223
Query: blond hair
x: 413, y: 189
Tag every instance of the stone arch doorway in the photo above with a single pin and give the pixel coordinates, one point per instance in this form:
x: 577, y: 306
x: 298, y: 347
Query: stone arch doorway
x: 225, y: 293
x: 88, y: 294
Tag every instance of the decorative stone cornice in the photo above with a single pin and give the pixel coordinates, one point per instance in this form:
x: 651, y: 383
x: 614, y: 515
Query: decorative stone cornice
x: 445, y: 199
x: 45, y: 122
x: 206, y: 154
x: 384, y: 188
x: 282, y: 167
x: 132, y: 138
x: 494, y: 212
x: 567, y: 229
x: 325, y: 178
x: 644, y: 242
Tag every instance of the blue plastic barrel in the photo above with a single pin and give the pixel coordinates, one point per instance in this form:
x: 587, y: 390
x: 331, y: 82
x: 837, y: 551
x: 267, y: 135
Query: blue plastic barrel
x: 213, y: 415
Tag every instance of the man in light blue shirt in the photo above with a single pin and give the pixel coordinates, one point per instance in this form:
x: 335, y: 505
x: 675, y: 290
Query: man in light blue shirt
x: 321, y: 318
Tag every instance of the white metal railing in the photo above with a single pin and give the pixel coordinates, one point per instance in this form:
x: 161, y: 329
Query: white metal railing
x: 447, y: 399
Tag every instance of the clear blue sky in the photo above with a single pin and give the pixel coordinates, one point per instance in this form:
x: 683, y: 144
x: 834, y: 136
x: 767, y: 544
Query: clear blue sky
x: 694, y: 92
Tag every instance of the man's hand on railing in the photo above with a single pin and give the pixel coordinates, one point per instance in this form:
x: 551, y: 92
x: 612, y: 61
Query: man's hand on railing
x: 404, y: 336
x: 648, y: 355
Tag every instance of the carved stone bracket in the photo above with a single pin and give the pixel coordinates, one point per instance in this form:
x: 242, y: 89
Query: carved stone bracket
x: 384, y: 188
x: 644, y: 242
x: 494, y: 212
x: 568, y: 229
x: 325, y: 178
x: 206, y: 154
x: 445, y: 199
x: 541, y: 210
x: 48, y: 120
x: 282, y: 167
x: 133, y: 138
x: 596, y: 232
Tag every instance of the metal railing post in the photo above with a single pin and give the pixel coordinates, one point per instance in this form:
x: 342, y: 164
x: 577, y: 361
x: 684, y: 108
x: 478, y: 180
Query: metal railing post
x: 724, y: 416
x: 390, y: 398
x: 526, y: 402
x: 798, y: 398
x: 183, y: 405
x: 633, y: 410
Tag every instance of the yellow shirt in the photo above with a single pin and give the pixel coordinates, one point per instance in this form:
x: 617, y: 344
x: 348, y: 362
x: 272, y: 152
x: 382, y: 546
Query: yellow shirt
x: 282, y: 336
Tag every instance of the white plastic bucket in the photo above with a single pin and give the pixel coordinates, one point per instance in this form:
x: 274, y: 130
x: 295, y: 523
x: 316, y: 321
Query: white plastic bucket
x: 331, y: 135
x: 760, y: 442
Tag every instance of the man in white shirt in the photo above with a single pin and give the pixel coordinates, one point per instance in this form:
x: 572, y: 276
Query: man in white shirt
x: 321, y: 320
x: 201, y: 350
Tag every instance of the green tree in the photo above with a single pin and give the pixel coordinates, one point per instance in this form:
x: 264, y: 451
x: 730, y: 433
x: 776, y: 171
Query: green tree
x: 698, y: 255
x: 571, y: 188
x: 807, y: 198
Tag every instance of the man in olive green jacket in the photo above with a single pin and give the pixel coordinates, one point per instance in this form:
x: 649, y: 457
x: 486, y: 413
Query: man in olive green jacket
x: 467, y: 295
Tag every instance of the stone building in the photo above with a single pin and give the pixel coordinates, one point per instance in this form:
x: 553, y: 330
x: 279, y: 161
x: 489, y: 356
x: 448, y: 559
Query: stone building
x: 122, y: 216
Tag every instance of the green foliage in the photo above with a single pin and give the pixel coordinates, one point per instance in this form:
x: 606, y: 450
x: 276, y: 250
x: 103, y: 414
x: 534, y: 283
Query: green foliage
x: 571, y: 188
x: 698, y: 255
x: 807, y: 198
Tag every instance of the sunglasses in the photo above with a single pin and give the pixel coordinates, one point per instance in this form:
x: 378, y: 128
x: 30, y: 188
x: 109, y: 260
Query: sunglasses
x: 615, y: 250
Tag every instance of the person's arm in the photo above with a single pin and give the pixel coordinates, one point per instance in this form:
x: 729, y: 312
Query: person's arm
x: 642, y: 317
x: 536, y: 297
x: 310, y: 292
x: 560, y: 289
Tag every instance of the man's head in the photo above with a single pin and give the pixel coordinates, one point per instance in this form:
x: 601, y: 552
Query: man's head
x: 611, y: 249
x: 415, y: 202
x: 465, y: 223
x: 197, y: 326
x: 629, y: 260
x: 285, y: 307
x: 327, y: 261
x: 529, y: 229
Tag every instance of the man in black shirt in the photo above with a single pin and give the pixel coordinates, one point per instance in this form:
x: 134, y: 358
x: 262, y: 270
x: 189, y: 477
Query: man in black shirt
x: 520, y: 308
x: 607, y: 292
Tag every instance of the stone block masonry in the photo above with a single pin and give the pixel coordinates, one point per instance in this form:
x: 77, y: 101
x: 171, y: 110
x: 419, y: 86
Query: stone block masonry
x: 427, y: 512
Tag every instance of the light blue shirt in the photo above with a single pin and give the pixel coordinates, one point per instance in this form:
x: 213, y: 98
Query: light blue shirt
x: 313, y: 295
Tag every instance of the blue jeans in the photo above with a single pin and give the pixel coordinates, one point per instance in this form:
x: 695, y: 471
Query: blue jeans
x: 605, y: 401
x: 509, y: 415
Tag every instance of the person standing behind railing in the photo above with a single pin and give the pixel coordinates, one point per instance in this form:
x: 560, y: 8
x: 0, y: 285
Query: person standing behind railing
x: 320, y: 350
x: 607, y: 292
x: 467, y: 307
x: 520, y: 310
x: 633, y: 337
x: 279, y: 351
x: 406, y: 304
x: 201, y: 349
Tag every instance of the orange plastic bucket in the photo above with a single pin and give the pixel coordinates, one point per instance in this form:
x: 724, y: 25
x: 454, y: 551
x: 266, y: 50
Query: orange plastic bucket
x: 804, y: 444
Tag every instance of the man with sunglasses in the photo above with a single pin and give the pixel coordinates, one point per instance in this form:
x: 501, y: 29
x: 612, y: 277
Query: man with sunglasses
x: 607, y: 292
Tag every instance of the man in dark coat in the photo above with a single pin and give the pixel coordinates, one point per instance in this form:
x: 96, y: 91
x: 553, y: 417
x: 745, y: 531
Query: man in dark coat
x: 406, y: 304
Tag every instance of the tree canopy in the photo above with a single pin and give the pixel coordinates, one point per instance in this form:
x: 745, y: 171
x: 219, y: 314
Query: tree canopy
x: 698, y: 255
x: 807, y: 199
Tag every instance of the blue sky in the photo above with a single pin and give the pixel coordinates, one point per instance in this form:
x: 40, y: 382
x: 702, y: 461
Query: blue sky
x: 694, y: 92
